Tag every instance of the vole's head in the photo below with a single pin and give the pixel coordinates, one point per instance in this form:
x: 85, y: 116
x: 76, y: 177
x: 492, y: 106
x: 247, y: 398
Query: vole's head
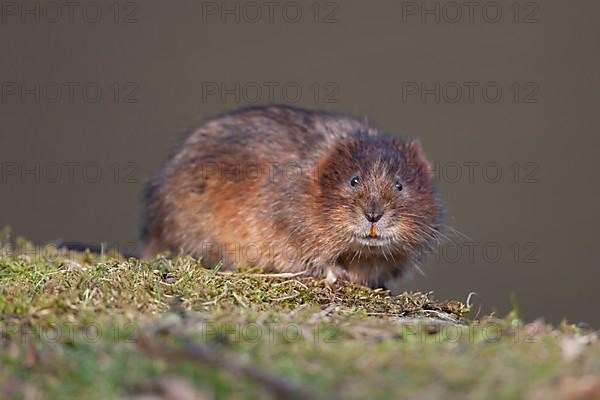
x: 377, y: 192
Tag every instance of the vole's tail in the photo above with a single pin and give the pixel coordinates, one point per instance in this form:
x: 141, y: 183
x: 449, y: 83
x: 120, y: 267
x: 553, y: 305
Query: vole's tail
x: 130, y: 250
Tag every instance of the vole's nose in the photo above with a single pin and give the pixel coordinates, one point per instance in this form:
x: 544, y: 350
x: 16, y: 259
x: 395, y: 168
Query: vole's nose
x: 373, y: 216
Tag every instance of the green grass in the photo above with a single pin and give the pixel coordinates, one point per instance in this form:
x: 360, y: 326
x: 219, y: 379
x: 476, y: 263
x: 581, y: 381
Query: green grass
x: 100, y: 327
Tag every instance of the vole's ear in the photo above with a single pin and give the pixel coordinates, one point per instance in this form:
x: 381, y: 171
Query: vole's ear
x: 329, y: 166
x: 414, y: 150
x: 416, y: 157
x: 415, y: 145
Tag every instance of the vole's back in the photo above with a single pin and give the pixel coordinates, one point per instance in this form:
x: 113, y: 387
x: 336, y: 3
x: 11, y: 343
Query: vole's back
x: 236, y: 186
x: 275, y: 133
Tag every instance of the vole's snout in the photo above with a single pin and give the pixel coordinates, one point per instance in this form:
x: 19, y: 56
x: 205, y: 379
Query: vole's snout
x: 374, y: 215
x: 373, y: 209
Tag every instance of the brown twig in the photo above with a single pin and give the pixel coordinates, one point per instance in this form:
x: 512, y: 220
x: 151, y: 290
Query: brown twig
x: 201, y: 354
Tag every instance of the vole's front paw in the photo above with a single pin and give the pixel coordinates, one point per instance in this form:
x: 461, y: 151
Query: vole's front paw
x: 334, y: 275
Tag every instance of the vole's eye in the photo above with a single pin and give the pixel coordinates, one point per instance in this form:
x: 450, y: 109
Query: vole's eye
x: 399, y: 186
x: 354, y: 181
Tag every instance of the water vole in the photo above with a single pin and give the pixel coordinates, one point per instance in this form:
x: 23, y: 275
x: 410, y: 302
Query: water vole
x: 295, y: 190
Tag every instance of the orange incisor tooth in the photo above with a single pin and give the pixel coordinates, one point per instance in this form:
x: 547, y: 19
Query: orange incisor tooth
x: 373, y: 232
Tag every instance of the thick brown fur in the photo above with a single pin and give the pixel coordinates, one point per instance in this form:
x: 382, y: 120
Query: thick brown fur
x: 292, y: 190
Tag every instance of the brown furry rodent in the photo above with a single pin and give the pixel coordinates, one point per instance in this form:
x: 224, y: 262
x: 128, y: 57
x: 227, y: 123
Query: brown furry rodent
x: 295, y: 190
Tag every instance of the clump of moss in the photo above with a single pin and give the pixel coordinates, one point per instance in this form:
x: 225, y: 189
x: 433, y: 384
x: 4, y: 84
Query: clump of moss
x: 94, y: 283
x: 146, y: 328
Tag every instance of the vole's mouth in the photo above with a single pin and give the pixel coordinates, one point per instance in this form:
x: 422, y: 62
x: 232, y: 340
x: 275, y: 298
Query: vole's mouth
x: 373, y: 241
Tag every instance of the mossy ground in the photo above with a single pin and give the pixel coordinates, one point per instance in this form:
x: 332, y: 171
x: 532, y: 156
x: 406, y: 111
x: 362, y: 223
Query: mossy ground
x: 100, y: 327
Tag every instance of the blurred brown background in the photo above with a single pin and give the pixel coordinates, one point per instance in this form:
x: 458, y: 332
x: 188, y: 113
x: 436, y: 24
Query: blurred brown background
x: 142, y: 73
